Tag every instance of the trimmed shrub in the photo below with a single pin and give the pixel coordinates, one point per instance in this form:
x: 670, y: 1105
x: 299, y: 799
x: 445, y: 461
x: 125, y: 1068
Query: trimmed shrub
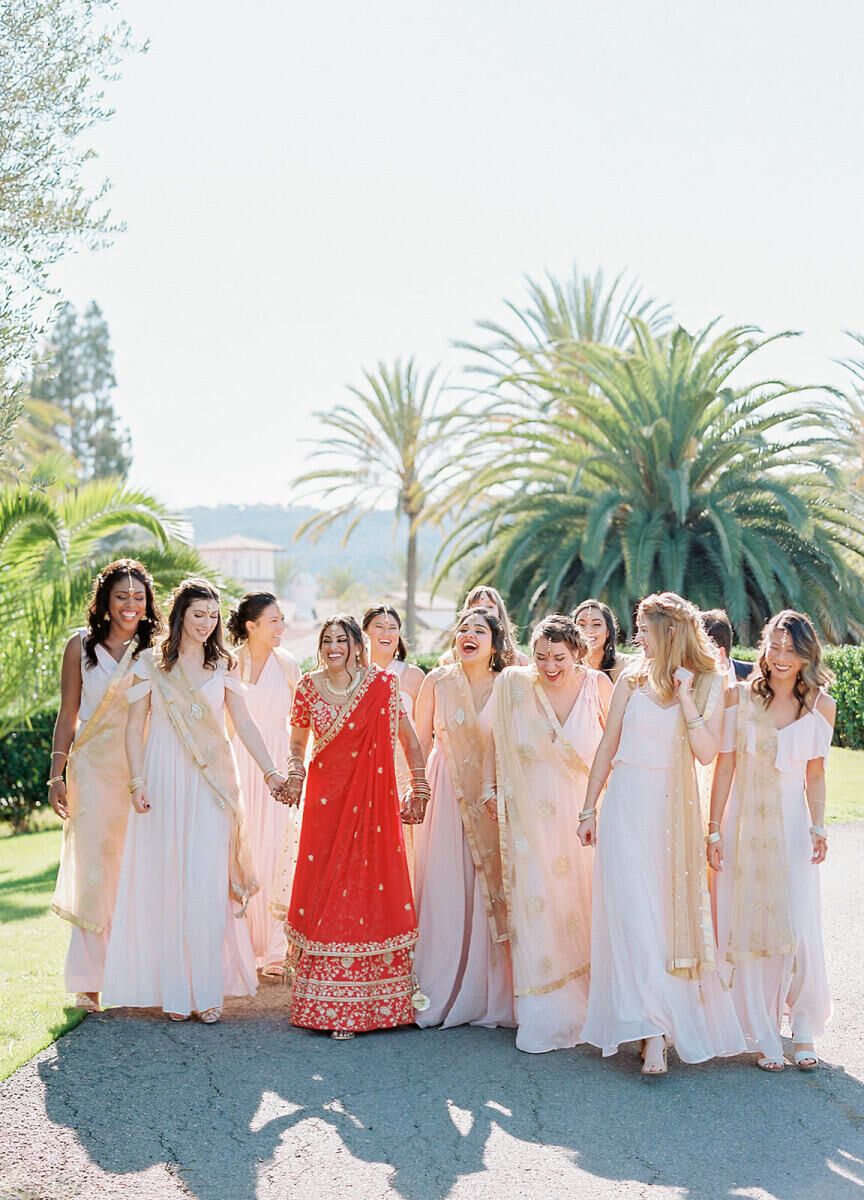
x: 847, y: 663
x: 25, y: 762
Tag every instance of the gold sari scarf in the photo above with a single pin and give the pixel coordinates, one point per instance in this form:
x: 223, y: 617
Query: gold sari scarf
x: 458, y: 733
x: 761, y: 923
x: 690, y: 931
x: 206, y: 740
x: 98, y: 800
x: 523, y: 742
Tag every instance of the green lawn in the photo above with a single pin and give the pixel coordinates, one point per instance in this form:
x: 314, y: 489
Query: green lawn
x: 35, y: 1009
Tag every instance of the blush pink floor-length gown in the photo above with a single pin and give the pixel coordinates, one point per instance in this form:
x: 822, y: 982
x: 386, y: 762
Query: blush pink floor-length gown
x: 273, y: 829
x: 466, y: 976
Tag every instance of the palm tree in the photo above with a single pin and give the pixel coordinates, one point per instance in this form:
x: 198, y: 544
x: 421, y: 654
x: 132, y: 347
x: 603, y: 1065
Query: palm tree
x: 855, y: 415
x: 657, y: 472
x: 51, y: 545
x: 388, y: 448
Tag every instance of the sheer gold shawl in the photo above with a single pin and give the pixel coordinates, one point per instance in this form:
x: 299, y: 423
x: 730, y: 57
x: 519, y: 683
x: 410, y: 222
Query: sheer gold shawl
x: 206, y: 740
x: 549, y: 947
x: 761, y: 923
x: 690, y: 931
x: 463, y: 743
x: 98, y: 800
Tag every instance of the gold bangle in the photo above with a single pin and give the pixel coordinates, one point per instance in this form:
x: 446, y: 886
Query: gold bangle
x: 269, y: 774
x: 134, y: 784
x: 586, y: 813
x: 54, y: 753
x: 54, y: 779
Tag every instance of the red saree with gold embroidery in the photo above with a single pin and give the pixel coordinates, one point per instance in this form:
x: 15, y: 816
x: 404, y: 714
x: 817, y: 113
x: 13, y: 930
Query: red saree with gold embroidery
x: 351, y: 924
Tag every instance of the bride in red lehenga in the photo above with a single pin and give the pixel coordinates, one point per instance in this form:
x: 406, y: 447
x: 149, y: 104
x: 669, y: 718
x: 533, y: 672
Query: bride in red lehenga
x: 351, y: 924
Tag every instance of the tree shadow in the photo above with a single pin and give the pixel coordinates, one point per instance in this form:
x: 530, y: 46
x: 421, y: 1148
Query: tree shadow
x: 249, y: 1107
x: 13, y: 886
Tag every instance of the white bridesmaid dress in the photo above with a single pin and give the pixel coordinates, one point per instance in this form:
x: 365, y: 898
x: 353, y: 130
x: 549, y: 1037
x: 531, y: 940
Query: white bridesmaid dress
x: 175, y: 941
x: 632, y: 995
x: 791, y: 987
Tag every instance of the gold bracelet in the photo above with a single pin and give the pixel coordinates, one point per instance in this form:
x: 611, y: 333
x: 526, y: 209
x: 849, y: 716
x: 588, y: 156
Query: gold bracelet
x: 269, y: 774
x: 54, y: 779
x: 54, y: 753
x: 136, y: 783
x: 586, y: 813
x: 696, y: 723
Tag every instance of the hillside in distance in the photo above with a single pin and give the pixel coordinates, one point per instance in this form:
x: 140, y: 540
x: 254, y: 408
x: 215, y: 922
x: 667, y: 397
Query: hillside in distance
x: 374, y: 552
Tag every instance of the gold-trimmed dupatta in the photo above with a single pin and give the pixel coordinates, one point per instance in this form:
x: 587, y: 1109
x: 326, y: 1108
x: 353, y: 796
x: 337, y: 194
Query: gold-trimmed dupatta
x: 206, y: 740
x: 98, y: 800
x: 690, y: 930
x: 761, y: 924
x: 463, y: 743
x: 549, y: 948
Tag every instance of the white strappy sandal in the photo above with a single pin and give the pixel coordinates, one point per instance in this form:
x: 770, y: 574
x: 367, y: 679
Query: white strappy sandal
x: 806, y: 1059
x: 771, y: 1066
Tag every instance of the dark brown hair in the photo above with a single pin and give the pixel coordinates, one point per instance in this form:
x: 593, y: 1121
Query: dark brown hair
x: 719, y: 628
x: 558, y: 627
x: 812, y: 677
x: 250, y: 608
x: 386, y: 610
x: 352, y: 630
x: 502, y: 651
x: 612, y: 631
x: 490, y: 593
x: 214, y: 647
x: 98, y: 617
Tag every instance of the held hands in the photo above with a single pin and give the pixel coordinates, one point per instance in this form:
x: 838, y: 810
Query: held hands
x: 275, y: 783
x: 57, y: 798
x: 289, y: 791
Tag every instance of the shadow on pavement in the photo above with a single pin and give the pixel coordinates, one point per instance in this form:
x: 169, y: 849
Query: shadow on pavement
x: 246, y: 1109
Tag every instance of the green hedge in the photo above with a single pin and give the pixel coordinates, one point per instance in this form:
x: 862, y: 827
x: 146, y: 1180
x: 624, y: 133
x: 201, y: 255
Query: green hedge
x: 25, y: 762
x: 847, y: 663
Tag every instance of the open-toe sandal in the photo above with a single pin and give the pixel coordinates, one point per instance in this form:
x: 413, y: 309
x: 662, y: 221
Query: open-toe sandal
x: 211, y: 1015
x: 342, y: 1035
x: 657, y: 1072
x: 178, y: 1016
x: 82, y: 1000
x: 772, y: 1066
x: 806, y: 1059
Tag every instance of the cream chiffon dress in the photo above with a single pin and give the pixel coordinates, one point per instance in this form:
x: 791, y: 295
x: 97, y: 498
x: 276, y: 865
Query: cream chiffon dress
x: 553, y: 942
x: 175, y: 941
x: 791, y: 986
x: 464, y: 973
x: 632, y: 995
x: 85, y: 959
x: 273, y: 829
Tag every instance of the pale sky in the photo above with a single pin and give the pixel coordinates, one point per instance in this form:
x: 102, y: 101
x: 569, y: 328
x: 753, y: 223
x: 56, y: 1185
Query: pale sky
x: 309, y: 188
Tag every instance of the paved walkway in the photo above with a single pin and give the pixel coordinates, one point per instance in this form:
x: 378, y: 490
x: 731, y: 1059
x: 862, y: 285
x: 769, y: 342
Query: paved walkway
x: 134, y: 1107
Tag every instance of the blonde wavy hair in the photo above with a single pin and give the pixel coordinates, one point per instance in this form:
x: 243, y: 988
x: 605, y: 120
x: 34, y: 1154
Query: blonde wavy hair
x: 681, y: 641
x: 812, y: 677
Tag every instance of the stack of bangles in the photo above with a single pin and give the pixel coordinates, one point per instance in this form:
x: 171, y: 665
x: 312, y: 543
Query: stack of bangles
x: 296, y: 769
x: 696, y: 723
x: 56, y: 778
x: 819, y: 831
x: 587, y: 813
x: 716, y: 836
x: 420, y: 785
x: 490, y: 792
x: 135, y: 785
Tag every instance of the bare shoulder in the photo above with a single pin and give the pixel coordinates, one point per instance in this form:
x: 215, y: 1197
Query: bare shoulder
x: 412, y: 678
x: 826, y: 706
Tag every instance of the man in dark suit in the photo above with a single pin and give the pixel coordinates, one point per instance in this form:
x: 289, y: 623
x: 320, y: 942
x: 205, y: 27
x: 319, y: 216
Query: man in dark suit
x: 719, y: 629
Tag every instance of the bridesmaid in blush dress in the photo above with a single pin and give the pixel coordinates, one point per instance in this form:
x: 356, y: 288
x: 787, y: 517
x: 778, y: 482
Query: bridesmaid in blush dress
x: 269, y: 675
x: 548, y: 722
x: 653, y: 958
x: 186, y: 876
x: 769, y: 843
x: 462, y: 958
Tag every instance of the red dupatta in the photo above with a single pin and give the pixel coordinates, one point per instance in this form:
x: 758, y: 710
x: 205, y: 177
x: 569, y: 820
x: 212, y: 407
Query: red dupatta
x: 352, y: 894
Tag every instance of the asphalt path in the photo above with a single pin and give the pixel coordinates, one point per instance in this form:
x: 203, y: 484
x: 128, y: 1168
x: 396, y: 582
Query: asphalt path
x: 129, y: 1105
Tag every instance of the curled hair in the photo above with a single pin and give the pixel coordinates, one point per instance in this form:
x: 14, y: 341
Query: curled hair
x: 483, y: 591
x: 558, y: 627
x: 719, y: 628
x: 386, y: 610
x: 503, y: 654
x: 813, y: 676
x: 352, y: 631
x: 98, y: 627
x: 607, y: 663
x: 214, y: 648
x: 681, y: 642
x: 250, y: 608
